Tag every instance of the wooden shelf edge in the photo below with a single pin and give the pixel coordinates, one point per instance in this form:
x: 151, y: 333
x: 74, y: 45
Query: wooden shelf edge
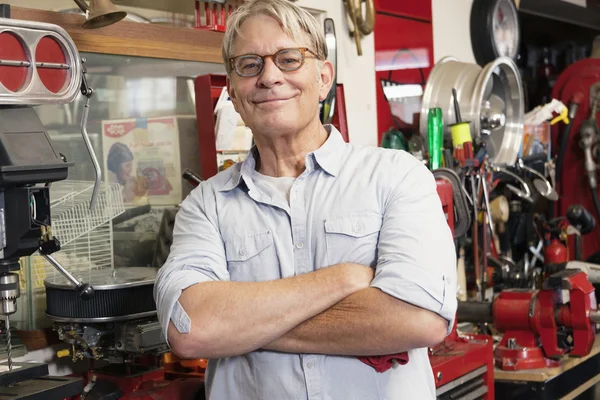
x: 133, y: 38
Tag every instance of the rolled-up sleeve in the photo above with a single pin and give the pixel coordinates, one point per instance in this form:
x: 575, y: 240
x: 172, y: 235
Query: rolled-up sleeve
x: 196, y: 255
x: 416, y: 254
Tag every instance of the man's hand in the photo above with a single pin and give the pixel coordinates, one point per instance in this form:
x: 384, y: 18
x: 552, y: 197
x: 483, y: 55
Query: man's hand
x: 367, y: 323
x: 359, y: 276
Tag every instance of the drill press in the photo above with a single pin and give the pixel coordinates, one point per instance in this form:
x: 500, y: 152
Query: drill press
x: 39, y: 64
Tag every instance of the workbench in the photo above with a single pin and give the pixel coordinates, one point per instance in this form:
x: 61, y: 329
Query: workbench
x: 570, y: 379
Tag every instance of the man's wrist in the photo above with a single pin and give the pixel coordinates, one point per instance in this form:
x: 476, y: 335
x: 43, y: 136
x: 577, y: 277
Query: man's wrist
x: 355, y: 277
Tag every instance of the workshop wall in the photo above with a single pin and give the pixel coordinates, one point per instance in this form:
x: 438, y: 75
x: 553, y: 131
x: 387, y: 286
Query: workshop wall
x: 356, y: 73
x: 451, y: 31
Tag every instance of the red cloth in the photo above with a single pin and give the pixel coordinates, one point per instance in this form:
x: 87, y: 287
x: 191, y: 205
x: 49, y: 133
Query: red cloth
x: 383, y: 363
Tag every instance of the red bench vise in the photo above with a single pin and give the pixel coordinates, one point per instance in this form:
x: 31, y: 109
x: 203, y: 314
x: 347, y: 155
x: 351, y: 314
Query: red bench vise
x: 540, y: 325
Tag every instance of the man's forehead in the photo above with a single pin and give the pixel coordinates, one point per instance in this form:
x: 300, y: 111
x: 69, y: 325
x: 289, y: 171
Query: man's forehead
x: 254, y: 38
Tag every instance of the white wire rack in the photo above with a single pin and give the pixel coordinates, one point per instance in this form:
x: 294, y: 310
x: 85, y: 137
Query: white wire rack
x: 71, y: 216
x: 86, y: 239
x: 85, y: 236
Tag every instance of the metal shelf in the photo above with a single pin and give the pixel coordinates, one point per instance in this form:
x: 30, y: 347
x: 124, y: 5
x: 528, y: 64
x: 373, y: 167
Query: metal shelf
x: 560, y: 10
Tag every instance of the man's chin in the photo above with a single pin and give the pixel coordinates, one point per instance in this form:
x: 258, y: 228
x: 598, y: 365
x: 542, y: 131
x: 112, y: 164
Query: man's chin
x: 276, y: 124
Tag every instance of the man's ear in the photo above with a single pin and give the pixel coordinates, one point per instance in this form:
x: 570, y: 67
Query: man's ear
x: 232, y: 94
x: 327, y: 75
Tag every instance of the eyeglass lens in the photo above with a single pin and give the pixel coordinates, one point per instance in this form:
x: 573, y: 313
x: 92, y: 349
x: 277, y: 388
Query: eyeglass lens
x: 286, y: 60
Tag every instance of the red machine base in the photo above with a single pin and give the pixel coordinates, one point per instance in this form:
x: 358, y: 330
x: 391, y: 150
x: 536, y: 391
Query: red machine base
x: 459, y: 361
x: 522, y: 358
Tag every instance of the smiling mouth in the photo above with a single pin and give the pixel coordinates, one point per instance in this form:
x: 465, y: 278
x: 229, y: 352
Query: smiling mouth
x: 273, y: 101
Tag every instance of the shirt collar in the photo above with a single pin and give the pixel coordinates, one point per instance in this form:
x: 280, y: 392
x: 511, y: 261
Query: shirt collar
x: 328, y: 157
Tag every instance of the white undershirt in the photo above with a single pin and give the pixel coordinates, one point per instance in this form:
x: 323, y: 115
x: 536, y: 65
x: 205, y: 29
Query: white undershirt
x: 276, y: 188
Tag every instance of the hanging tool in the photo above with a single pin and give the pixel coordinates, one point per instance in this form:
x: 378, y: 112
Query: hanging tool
x: 486, y: 197
x: 363, y: 25
x: 328, y: 107
x: 191, y: 177
x: 475, y: 237
x: 524, y: 193
x: 583, y: 221
x: 462, y: 140
x: 542, y: 185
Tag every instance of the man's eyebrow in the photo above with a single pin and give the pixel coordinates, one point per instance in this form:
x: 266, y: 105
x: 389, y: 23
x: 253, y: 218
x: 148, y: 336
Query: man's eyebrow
x: 279, y: 48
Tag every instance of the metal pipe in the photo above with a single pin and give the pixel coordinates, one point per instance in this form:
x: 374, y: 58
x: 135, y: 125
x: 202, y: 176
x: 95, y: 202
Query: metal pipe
x: 14, y: 63
x: 62, y: 270
x: 82, y: 5
x: 475, y: 311
x: 595, y: 316
x: 482, y: 312
x: 52, y: 65
x: 90, y: 149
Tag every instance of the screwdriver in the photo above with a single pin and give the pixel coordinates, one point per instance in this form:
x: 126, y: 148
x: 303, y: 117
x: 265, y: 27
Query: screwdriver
x: 435, y: 137
x: 462, y: 140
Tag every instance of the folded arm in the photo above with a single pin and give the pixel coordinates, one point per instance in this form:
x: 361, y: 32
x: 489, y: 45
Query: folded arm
x: 218, y: 318
x: 412, y: 299
x: 233, y: 318
x: 368, y: 322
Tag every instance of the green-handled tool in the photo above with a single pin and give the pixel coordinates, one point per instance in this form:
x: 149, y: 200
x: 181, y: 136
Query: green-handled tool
x: 435, y: 137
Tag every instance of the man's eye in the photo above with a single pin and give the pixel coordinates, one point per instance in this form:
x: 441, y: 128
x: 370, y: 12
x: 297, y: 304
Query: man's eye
x: 249, y: 66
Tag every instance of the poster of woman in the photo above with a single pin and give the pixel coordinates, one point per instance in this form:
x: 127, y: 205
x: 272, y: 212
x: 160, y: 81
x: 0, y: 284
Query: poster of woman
x: 142, y: 155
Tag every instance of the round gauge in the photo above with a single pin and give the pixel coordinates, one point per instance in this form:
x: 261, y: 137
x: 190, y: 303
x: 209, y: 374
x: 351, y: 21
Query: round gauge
x: 494, y: 30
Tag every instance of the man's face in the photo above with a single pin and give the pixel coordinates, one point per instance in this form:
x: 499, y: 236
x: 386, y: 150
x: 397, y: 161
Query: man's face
x: 276, y: 102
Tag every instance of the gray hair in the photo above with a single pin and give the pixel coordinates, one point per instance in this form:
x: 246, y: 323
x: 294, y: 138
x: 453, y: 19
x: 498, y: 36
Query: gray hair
x: 293, y: 21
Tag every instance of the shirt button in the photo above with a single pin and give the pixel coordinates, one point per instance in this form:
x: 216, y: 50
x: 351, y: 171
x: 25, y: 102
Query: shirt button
x: 309, y: 365
x: 242, y: 252
x: 300, y: 245
x: 358, y: 228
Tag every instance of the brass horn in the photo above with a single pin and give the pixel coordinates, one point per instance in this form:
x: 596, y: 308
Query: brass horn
x: 100, y: 13
x: 363, y: 25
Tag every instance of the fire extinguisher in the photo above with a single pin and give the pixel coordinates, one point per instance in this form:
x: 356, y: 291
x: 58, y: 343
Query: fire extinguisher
x: 554, y: 235
x: 556, y: 252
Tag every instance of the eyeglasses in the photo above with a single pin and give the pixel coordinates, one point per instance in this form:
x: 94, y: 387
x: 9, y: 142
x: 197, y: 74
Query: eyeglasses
x: 249, y: 65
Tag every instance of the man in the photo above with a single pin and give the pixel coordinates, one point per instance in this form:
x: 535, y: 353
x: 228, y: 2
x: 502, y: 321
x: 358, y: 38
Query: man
x: 312, y: 251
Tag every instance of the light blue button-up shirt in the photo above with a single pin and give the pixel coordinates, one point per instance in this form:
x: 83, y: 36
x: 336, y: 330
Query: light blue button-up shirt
x: 364, y: 205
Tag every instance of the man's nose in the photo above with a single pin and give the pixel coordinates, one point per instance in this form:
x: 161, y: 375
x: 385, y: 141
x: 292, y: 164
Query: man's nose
x: 271, y: 75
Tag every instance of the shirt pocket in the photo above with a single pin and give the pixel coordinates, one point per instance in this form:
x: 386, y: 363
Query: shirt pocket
x: 353, y: 238
x: 252, y: 257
